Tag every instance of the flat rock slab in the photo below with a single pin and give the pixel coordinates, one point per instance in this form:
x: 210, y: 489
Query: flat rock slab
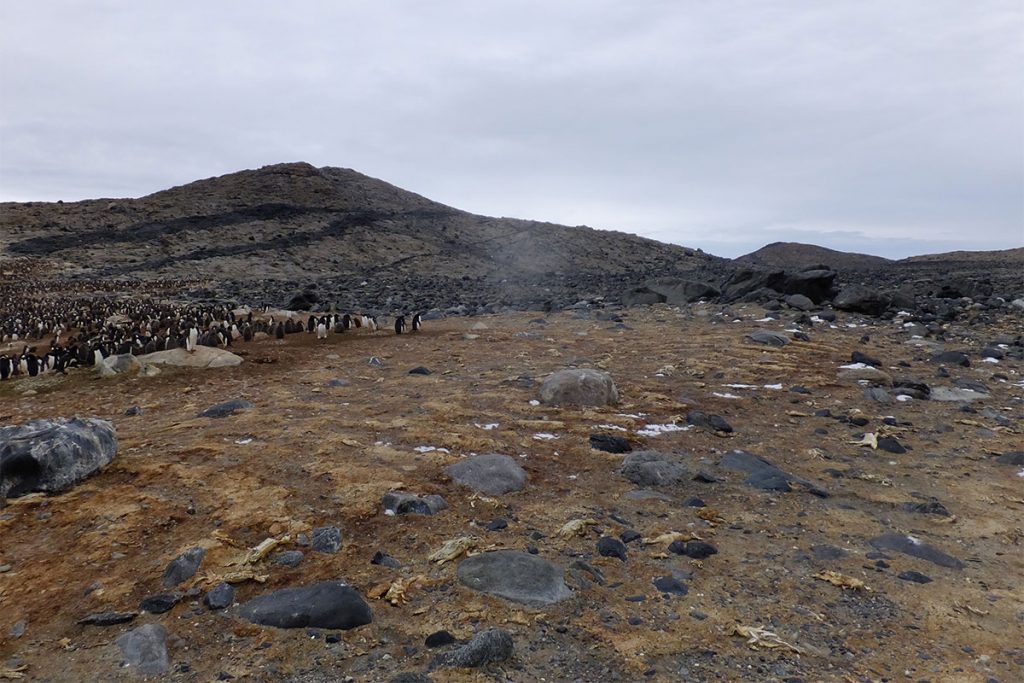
x: 516, y: 576
x: 53, y: 455
x: 765, y: 475
x: 769, y: 338
x: 955, y: 394
x: 226, y: 408
x: 202, y: 357
x: 579, y: 387
x: 330, y: 604
x: 651, y: 468
x: 492, y: 473
x: 909, y: 545
x: 145, y: 648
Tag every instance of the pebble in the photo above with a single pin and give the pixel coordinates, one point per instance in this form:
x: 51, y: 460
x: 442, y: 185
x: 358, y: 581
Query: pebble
x: 287, y: 558
x: 486, y: 647
x: 697, y: 550
x: 183, y: 567
x: 915, y: 577
x: 160, y: 603
x: 220, y: 596
x: 671, y: 585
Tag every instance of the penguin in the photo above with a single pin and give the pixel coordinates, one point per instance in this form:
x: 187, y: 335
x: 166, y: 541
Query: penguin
x: 193, y: 339
x: 417, y: 323
x: 32, y: 364
x: 247, y: 332
x: 311, y: 325
x: 279, y: 331
x: 346, y: 322
x: 321, y: 329
x: 5, y: 367
x: 400, y: 324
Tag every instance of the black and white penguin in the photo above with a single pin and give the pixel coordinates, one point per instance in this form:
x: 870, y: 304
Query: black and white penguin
x: 193, y: 339
x: 417, y: 323
x: 247, y: 332
x: 279, y: 331
x: 311, y: 324
x: 321, y: 329
x: 400, y: 324
x: 6, y: 367
x: 346, y: 322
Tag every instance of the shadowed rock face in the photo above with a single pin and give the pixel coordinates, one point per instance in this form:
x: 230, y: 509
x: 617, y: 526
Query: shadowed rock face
x: 330, y: 604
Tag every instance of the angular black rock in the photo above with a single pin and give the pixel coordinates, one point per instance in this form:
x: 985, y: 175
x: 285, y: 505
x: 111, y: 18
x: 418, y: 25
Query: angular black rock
x: 183, y: 567
x: 107, y: 618
x: 671, y: 585
x: 160, y: 603
x: 486, y: 647
x: 916, y: 577
x: 697, y: 550
x: 326, y: 539
x: 914, y: 547
x: 220, y: 596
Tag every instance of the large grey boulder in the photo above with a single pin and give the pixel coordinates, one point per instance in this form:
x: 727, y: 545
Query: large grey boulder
x: 202, y: 357
x: 492, y: 473
x: 486, y: 647
x: 330, y: 604
x: 670, y: 290
x: 52, y: 455
x: 862, y: 299
x: 579, y: 387
x: 145, y: 648
x: 516, y: 576
x: 651, y: 468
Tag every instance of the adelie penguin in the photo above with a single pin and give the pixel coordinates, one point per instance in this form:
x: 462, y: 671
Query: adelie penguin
x: 400, y: 324
x: 417, y: 323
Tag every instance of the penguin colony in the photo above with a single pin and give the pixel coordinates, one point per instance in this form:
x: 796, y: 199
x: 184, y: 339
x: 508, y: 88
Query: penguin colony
x: 80, y: 331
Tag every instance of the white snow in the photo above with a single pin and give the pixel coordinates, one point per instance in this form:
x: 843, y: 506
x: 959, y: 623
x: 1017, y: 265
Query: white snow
x: 544, y: 436
x: 488, y: 426
x: 429, y: 449
x: 726, y: 395
x: 657, y: 430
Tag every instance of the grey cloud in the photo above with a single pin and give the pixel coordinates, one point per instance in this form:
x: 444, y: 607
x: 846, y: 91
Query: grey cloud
x: 724, y: 125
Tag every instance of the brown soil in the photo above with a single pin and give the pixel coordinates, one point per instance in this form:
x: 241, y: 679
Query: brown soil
x: 308, y: 455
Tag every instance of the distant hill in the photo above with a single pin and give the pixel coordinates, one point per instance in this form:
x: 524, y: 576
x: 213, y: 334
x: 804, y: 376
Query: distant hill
x: 295, y: 221
x: 999, y: 256
x: 794, y: 256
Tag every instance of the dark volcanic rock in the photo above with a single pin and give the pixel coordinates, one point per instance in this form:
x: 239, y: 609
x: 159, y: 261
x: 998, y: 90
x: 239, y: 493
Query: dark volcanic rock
x: 611, y: 547
x: 220, y: 596
x: 53, y: 455
x: 226, y: 408
x: 862, y: 299
x: 764, y: 475
x: 909, y: 545
x: 670, y: 290
x: 610, y: 444
x: 107, y: 618
x: 1011, y: 458
x: 403, y: 503
x: 326, y: 539
x: 671, y: 585
x: 160, y: 603
x: 951, y: 358
x: 516, y: 576
x: 769, y: 338
x: 697, y: 550
x: 330, y: 604
x: 183, y: 567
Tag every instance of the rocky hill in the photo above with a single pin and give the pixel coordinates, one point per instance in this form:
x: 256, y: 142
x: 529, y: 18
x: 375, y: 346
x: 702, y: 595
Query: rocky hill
x: 793, y: 255
x: 294, y: 222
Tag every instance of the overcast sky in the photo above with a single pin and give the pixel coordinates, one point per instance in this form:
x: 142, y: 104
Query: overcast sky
x: 892, y: 127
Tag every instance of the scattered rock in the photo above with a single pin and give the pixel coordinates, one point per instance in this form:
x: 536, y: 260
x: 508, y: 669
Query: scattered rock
x: 915, y: 577
x: 610, y: 444
x: 220, y: 596
x: 933, y: 507
x: 121, y: 364
x: 439, y: 639
x: 910, y: 545
x: 671, y: 585
x: 486, y: 647
x: 420, y: 371
x: 698, y: 550
x: 764, y: 475
x: 957, y: 395
x: 579, y: 387
x: 493, y: 474
x: 107, y: 618
x: 160, y: 603
x: 330, y: 604
x: 611, y: 547
x: 769, y: 338
x: 402, y: 503
x: 288, y: 558
x: 951, y: 358
x: 1011, y: 458
x: 145, y: 648
x: 225, y: 409
x: 384, y: 560
x: 326, y: 539
x: 715, y: 423
x: 53, y: 455
x: 183, y: 567
x: 651, y: 468
x: 516, y: 576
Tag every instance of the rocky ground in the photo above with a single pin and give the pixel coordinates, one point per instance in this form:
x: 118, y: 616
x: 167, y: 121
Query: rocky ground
x: 884, y: 544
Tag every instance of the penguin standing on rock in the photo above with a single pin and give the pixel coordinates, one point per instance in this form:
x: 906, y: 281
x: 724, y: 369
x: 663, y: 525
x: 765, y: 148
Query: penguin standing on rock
x: 400, y: 324
x: 193, y: 339
x: 417, y: 323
